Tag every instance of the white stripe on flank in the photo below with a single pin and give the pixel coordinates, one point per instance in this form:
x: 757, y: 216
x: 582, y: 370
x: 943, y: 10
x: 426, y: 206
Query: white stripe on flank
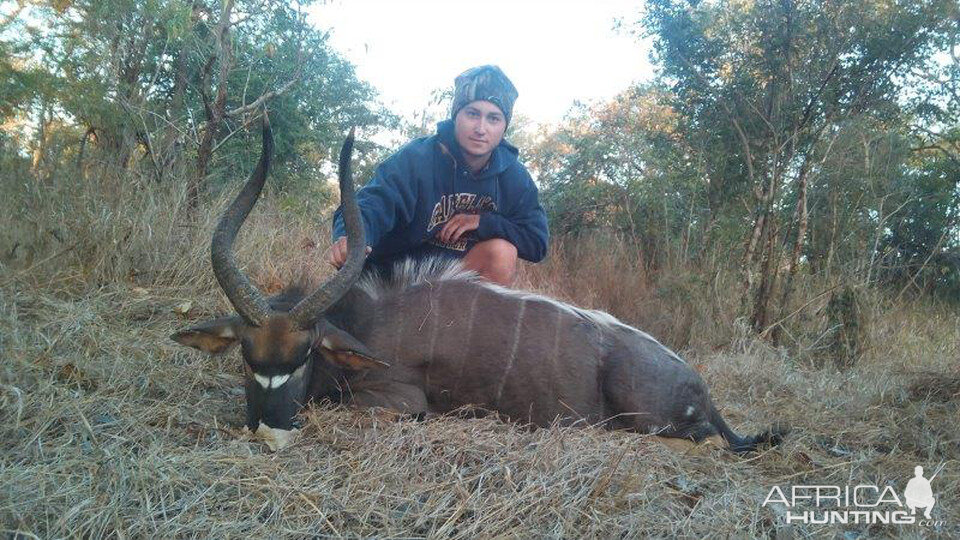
x: 435, y: 323
x: 556, y: 345
x: 465, y: 349
x: 398, y: 339
x: 513, y: 351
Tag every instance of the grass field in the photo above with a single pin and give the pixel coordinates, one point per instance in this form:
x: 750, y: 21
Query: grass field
x: 109, y: 429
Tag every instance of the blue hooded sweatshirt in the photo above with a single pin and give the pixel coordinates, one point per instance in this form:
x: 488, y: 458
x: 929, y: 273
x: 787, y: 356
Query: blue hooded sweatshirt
x: 424, y: 184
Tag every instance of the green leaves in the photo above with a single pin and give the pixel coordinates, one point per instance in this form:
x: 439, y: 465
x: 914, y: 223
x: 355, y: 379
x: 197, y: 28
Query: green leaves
x: 777, y: 132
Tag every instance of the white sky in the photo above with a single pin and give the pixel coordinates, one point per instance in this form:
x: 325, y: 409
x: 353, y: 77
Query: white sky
x: 555, y: 52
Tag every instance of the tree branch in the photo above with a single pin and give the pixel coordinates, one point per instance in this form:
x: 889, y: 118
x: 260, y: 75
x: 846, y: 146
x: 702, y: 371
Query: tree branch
x: 260, y: 101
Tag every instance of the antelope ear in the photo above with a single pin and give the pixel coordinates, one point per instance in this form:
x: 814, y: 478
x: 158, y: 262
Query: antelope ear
x: 346, y: 351
x: 211, y: 337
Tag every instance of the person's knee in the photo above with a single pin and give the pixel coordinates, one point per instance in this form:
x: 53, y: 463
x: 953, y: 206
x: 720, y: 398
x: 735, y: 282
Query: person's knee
x: 494, y: 259
x: 499, y: 250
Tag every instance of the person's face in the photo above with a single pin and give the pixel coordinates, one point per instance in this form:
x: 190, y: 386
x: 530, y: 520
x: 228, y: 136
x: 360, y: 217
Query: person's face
x: 479, y: 128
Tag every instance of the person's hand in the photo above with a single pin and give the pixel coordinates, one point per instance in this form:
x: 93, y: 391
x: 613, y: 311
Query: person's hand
x: 457, y: 226
x: 337, y: 253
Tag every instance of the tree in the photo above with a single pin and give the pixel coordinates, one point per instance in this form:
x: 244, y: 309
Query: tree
x: 761, y: 85
x: 135, y: 81
x: 621, y: 165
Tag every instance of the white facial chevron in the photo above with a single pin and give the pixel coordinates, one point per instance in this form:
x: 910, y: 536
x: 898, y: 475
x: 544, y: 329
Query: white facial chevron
x: 271, y: 382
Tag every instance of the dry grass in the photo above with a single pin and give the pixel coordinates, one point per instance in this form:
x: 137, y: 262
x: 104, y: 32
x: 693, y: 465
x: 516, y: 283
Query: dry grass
x: 110, y: 429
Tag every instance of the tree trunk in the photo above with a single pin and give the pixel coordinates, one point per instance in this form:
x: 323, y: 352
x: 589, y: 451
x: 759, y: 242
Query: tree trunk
x: 83, y: 147
x: 769, y: 273
x: 800, y: 224
x: 170, y: 149
x: 40, y: 148
x: 214, y: 112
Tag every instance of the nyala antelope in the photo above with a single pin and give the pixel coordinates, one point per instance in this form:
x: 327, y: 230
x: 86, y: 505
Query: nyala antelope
x: 433, y: 338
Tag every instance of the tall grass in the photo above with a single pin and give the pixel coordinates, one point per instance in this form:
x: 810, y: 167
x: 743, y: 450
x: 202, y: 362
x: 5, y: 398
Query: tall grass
x: 109, y: 230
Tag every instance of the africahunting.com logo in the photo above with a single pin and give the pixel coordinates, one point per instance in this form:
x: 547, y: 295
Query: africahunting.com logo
x: 860, y: 504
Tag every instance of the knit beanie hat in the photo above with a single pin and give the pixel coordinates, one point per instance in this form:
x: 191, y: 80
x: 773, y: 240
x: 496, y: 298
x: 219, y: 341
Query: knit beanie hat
x: 487, y: 83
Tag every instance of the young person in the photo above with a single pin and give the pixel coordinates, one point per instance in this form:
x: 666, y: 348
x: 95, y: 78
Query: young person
x: 458, y: 193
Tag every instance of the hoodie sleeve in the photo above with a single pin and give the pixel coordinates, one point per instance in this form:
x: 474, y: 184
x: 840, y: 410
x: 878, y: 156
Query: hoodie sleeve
x: 388, y: 201
x: 525, y: 223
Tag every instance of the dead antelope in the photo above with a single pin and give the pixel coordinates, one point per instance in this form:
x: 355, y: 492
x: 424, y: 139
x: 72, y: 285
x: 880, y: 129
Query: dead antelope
x: 434, y: 338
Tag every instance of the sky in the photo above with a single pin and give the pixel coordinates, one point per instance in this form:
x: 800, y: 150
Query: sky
x: 555, y: 52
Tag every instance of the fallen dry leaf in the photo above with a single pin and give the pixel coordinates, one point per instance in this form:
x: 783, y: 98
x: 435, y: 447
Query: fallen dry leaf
x: 183, y: 308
